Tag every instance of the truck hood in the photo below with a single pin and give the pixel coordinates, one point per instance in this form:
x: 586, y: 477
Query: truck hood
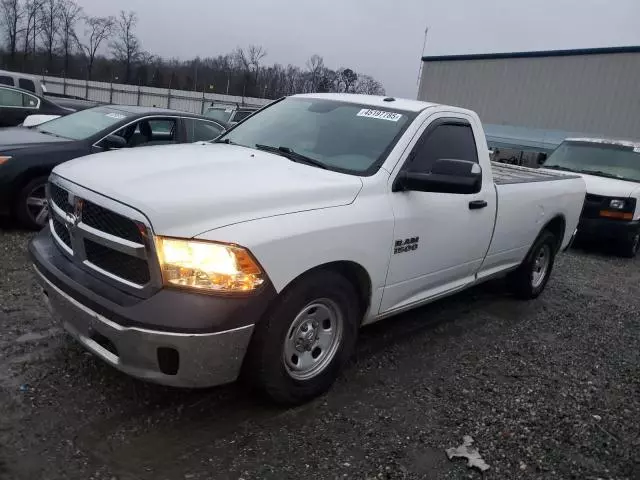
x: 185, y: 190
x: 609, y: 187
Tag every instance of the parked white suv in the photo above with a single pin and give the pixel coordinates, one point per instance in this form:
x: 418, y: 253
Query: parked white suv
x: 265, y: 251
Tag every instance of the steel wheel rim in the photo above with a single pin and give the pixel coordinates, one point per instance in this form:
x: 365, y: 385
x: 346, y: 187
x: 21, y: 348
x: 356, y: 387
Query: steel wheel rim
x: 37, y: 207
x: 313, y: 339
x: 540, y: 266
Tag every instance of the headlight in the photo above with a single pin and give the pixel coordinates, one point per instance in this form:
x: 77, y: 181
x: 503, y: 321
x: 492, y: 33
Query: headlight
x: 4, y: 159
x: 207, y: 266
x: 617, y: 204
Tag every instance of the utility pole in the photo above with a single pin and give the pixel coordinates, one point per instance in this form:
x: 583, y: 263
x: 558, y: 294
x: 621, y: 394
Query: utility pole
x: 424, y: 46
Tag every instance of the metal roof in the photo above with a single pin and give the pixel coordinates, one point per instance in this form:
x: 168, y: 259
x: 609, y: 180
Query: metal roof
x: 533, y: 54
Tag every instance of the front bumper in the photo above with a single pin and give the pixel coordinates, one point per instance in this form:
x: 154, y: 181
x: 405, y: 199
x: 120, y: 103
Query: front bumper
x: 605, y: 229
x: 174, y: 337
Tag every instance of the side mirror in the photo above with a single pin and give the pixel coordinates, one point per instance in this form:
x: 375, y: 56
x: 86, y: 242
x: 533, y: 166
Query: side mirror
x: 114, y: 142
x: 447, y: 176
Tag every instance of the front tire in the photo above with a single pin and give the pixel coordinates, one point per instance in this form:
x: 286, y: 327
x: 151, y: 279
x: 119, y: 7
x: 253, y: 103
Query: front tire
x: 30, y: 207
x: 299, y: 348
x: 529, y: 279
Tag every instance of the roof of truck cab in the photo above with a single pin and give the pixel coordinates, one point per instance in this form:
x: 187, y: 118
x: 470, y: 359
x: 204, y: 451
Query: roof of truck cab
x: 372, y: 101
x: 607, y: 141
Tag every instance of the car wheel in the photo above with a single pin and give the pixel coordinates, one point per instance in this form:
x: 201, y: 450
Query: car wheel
x: 629, y: 248
x: 31, y: 209
x: 299, y: 348
x: 530, y: 278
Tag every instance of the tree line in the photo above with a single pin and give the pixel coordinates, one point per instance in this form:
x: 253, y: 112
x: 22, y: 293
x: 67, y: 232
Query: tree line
x: 57, y: 37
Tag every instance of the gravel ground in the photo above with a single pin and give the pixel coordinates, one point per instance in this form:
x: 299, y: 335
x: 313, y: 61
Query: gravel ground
x: 548, y: 389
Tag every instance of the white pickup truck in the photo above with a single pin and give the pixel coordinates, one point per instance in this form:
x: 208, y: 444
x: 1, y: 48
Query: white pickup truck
x: 264, y: 251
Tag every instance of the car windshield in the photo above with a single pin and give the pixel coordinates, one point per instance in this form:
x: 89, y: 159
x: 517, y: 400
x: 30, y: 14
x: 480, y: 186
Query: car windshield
x: 219, y: 114
x: 84, y: 124
x: 601, y: 159
x: 341, y: 136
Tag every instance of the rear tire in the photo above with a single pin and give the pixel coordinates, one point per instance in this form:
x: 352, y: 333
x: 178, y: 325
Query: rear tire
x: 530, y: 278
x: 629, y: 248
x: 299, y: 348
x: 30, y: 208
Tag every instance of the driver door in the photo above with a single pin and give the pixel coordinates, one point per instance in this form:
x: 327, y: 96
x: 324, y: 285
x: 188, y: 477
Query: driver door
x: 440, y: 239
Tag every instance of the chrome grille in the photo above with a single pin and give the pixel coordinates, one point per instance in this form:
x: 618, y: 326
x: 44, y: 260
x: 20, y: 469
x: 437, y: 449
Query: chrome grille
x: 61, y: 231
x: 101, y: 239
x: 120, y: 264
x: 59, y: 196
x: 110, y: 222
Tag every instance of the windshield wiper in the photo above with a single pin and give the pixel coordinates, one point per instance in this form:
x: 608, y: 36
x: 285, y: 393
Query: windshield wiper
x: 558, y: 167
x: 600, y: 173
x: 226, y: 140
x: 291, y: 155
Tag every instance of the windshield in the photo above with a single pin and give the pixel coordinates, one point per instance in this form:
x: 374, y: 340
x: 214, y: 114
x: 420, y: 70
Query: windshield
x: 341, y: 136
x: 84, y: 124
x: 601, y: 159
x: 220, y: 114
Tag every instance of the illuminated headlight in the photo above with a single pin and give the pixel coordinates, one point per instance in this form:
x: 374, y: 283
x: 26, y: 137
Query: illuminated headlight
x: 617, y: 204
x: 207, y: 266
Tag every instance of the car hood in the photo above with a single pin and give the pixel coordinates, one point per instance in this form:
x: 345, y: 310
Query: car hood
x: 185, y: 190
x: 17, y: 138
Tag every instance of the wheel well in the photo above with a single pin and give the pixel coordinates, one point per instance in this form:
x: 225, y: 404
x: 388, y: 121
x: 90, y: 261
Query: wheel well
x: 26, y: 177
x: 354, y: 273
x: 557, y: 226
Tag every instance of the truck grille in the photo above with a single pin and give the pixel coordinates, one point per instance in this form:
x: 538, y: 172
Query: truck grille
x: 101, y: 240
x: 120, y: 264
x: 110, y: 222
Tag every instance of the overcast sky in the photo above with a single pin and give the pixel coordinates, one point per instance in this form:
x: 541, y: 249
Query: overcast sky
x: 382, y: 38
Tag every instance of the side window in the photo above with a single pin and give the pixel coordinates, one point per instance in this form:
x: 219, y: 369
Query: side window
x: 241, y: 115
x: 14, y: 98
x: 27, y: 84
x: 4, y: 80
x: 448, y: 140
x: 201, y: 131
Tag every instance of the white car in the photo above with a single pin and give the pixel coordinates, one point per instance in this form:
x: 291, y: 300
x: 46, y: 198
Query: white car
x: 611, y: 171
x: 266, y: 250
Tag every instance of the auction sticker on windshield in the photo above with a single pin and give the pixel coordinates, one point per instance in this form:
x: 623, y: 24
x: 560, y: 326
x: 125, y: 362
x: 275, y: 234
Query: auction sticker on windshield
x: 379, y: 114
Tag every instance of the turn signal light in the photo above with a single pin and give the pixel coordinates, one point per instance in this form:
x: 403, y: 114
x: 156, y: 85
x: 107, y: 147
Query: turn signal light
x: 617, y: 215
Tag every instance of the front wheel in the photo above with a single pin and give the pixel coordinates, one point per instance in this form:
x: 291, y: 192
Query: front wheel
x: 30, y: 208
x: 530, y: 278
x: 299, y: 348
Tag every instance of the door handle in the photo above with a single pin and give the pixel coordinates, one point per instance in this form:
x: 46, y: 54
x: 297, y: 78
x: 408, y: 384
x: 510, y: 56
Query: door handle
x: 477, y: 204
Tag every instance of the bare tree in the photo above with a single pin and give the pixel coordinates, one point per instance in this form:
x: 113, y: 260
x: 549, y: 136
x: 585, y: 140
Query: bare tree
x: 11, y: 14
x: 315, y: 64
x: 50, y: 26
x: 70, y: 13
x: 345, y: 80
x: 126, y: 48
x: 32, y: 27
x: 98, y: 29
x: 256, y: 53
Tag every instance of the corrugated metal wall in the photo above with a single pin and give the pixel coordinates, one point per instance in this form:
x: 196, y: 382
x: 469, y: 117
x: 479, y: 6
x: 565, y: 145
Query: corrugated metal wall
x: 598, y: 94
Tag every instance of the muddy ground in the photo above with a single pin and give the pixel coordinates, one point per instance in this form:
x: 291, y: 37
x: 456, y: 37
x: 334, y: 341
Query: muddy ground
x: 548, y: 389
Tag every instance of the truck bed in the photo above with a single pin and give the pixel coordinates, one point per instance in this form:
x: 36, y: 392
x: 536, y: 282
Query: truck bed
x: 504, y: 174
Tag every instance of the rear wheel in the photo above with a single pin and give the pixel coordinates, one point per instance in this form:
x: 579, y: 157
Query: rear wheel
x: 299, y: 348
x: 629, y: 248
x: 530, y: 278
x: 30, y: 208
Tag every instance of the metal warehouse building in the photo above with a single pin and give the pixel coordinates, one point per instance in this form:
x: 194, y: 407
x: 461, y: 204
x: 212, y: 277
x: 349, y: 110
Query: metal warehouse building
x: 536, y: 99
